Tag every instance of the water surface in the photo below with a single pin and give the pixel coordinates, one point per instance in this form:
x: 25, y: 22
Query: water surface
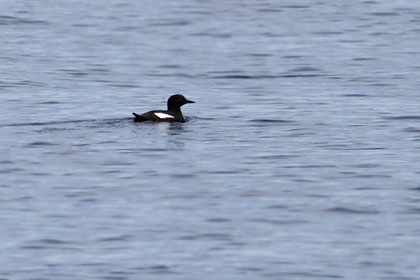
x: 299, y: 159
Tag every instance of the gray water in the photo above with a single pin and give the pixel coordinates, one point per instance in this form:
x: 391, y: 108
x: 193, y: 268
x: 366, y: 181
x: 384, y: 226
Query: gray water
x: 299, y: 159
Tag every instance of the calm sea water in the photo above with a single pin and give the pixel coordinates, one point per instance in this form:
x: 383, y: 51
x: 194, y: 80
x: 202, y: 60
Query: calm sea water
x: 299, y: 159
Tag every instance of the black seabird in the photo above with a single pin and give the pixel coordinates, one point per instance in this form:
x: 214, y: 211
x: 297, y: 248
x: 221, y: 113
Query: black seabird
x: 173, y: 114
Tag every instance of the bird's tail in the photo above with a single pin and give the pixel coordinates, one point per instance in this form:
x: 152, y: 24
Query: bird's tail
x: 139, y: 118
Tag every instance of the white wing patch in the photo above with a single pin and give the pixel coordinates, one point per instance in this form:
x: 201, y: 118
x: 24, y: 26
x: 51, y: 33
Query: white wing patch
x: 163, y: 116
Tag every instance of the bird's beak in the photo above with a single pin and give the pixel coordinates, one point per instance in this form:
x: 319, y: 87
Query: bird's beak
x: 189, y: 101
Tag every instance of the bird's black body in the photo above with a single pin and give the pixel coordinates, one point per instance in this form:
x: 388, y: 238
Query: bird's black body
x: 173, y: 114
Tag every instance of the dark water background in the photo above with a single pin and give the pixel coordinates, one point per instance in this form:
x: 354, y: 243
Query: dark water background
x: 299, y: 160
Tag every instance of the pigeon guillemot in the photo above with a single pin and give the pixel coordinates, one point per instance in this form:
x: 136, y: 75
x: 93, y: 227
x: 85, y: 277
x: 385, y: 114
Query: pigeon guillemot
x: 173, y: 114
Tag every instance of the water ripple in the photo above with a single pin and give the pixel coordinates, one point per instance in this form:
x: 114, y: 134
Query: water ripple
x: 87, y: 121
x: 208, y: 236
x: 346, y: 210
x: 403, y: 118
x: 10, y: 20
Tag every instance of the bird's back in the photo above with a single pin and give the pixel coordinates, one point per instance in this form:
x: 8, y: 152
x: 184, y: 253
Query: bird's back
x: 158, y: 116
